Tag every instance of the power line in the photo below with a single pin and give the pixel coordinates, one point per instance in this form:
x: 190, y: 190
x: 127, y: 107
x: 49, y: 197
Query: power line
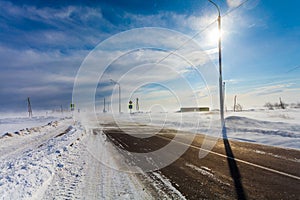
x: 201, y: 31
x: 293, y: 69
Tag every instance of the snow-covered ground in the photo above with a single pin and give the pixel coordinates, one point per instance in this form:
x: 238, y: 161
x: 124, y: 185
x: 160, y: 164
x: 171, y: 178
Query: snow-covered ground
x: 52, y: 155
x: 61, y: 160
x: 11, y: 122
x: 270, y: 127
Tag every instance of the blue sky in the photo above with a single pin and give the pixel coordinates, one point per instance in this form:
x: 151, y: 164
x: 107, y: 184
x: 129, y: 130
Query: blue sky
x: 43, y: 44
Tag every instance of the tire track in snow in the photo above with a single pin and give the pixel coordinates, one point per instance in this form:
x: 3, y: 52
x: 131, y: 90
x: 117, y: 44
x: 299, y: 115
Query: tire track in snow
x: 106, y: 182
x: 67, y: 176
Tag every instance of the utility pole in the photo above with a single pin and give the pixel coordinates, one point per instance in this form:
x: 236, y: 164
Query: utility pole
x: 223, y: 96
x: 114, y: 82
x: 234, y: 104
x: 29, y: 107
x: 137, y: 105
x: 104, y: 110
x: 220, y: 66
x: 120, y: 110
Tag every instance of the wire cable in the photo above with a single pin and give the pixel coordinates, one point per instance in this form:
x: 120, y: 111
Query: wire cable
x: 201, y: 31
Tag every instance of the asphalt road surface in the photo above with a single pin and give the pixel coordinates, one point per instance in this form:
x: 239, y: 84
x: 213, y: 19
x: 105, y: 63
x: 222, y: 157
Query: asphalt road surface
x: 230, y: 170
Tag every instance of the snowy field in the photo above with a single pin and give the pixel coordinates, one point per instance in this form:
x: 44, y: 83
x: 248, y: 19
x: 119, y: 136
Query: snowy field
x: 273, y: 127
x: 270, y: 127
x: 279, y: 128
x: 11, y: 122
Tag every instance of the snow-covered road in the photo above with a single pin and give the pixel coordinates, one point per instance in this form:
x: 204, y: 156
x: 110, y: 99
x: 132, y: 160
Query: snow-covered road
x: 82, y: 175
x: 53, y: 162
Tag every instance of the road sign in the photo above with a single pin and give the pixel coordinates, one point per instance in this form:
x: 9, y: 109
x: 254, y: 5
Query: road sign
x: 130, y: 105
x: 72, y: 105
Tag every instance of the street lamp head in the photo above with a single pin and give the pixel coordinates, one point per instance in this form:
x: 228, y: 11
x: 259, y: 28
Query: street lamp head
x: 219, y: 13
x: 114, y: 82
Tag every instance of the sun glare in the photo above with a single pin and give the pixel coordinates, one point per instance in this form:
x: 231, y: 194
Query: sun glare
x: 214, y: 35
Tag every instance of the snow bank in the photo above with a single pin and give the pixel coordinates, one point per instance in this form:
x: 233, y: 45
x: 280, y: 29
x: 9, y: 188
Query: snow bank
x: 12, y: 122
x: 26, y: 174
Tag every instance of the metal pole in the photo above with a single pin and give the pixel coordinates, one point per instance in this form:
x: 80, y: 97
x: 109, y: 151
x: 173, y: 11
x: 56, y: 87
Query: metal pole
x: 29, y: 108
x: 119, y: 97
x: 104, y: 110
x: 220, y: 66
x: 137, y: 105
x: 119, y: 93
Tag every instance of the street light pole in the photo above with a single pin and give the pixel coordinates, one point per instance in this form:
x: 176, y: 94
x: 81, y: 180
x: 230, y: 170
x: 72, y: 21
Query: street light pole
x: 119, y: 98
x: 220, y: 66
x: 119, y: 93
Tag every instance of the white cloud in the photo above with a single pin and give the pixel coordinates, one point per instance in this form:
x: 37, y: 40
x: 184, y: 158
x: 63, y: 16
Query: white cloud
x: 232, y: 81
x: 44, y: 60
x: 51, y: 15
x: 234, y: 3
x: 53, y: 68
x: 272, y: 89
x: 263, y: 94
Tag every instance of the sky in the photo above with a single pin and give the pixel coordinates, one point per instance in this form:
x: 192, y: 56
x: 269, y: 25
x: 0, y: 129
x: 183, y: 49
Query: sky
x: 45, y: 44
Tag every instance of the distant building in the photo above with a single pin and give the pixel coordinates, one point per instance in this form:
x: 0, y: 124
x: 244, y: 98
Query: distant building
x: 194, y: 109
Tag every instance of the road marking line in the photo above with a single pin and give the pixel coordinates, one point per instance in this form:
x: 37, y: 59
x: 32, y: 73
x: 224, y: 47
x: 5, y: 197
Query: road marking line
x: 236, y: 159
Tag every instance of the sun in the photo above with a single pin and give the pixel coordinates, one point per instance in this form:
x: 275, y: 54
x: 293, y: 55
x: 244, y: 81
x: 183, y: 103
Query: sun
x: 214, y: 35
